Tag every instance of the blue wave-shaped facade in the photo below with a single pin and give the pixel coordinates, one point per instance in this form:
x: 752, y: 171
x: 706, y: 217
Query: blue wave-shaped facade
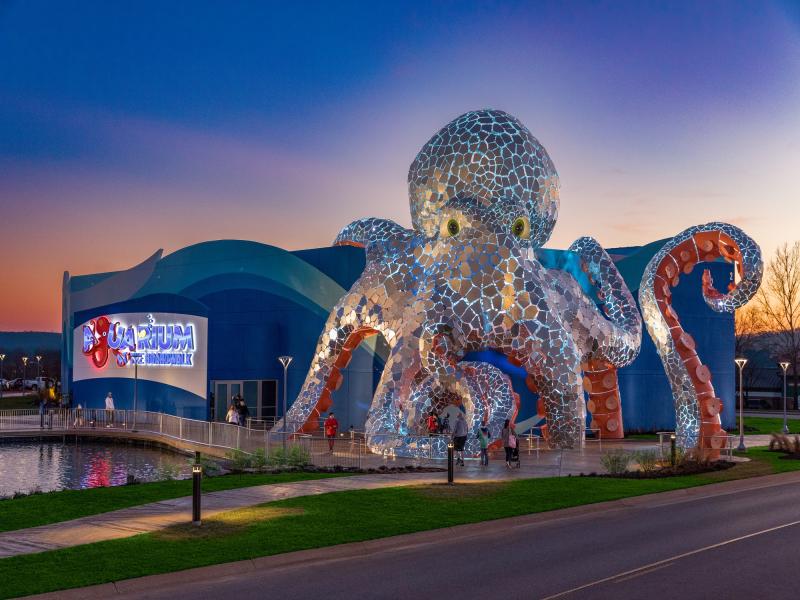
x: 262, y: 302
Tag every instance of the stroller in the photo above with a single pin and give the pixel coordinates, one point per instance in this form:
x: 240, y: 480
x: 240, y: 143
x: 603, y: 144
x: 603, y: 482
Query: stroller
x: 515, y: 462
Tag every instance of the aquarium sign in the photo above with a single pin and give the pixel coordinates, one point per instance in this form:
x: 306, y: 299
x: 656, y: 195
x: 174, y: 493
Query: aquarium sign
x: 149, y: 344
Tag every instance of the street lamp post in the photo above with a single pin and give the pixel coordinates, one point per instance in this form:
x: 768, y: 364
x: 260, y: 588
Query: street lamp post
x: 24, y: 373
x: 784, y: 366
x: 2, y: 373
x: 38, y: 365
x: 741, y: 362
x: 285, y: 361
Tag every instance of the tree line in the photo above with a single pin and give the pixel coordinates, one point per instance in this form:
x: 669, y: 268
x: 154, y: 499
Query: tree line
x: 771, y: 322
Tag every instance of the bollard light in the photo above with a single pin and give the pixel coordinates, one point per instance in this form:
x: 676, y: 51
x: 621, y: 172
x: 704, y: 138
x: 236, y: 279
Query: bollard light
x: 450, y: 463
x: 673, y: 455
x: 197, y: 474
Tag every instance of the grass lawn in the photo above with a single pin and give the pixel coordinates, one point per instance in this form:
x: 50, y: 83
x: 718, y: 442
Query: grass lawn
x: 752, y: 425
x: 40, y: 509
x: 767, y: 425
x: 29, y: 401
x: 350, y: 516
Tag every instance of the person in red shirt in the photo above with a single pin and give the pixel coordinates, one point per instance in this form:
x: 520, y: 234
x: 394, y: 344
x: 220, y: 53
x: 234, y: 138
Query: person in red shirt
x: 331, y: 429
x: 433, y: 423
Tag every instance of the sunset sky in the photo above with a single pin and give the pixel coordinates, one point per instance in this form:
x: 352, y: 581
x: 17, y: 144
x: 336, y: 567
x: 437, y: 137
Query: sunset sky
x: 128, y: 129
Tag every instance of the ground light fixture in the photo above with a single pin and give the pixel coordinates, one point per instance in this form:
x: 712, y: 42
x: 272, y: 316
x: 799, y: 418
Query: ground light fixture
x: 741, y: 362
x: 784, y: 366
x: 197, y: 476
x: 450, y: 463
x: 285, y: 361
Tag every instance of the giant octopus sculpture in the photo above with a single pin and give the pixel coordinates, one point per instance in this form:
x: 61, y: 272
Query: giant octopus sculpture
x: 484, y: 199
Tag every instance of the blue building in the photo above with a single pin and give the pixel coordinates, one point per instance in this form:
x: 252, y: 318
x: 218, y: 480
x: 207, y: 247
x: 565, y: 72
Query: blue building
x: 183, y: 333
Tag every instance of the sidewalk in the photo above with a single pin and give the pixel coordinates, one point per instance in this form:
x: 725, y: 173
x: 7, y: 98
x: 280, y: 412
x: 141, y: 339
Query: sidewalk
x: 158, y: 515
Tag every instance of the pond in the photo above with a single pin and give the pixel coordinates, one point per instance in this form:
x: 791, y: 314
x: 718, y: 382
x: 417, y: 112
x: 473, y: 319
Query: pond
x: 27, y: 466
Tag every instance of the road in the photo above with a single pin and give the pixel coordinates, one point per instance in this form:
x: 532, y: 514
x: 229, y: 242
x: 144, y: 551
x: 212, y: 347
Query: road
x: 771, y: 414
x: 743, y: 544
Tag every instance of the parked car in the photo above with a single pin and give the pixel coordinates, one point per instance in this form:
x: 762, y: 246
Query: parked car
x: 758, y: 404
x: 39, y: 383
x: 15, y: 384
x: 5, y: 384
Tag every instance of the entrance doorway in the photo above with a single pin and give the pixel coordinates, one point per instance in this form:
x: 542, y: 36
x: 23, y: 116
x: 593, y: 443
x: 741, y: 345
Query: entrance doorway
x: 260, y: 395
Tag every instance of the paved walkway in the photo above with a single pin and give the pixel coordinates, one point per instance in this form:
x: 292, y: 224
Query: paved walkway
x: 158, y: 515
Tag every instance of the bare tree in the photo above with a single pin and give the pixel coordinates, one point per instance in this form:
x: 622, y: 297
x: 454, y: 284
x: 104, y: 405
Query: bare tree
x: 748, y: 329
x: 779, y: 301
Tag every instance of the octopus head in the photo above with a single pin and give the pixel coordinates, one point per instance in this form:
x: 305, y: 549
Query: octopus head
x: 489, y: 156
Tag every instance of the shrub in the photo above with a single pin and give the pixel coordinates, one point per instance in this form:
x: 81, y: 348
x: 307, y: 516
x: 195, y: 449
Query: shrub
x: 259, y: 459
x: 647, y: 459
x: 168, y: 472
x: 277, y: 458
x: 298, y: 457
x: 240, y: 460
x: 293, y: 456
x: 210, y: 467
x: 616, y: 462
x: 783, y: 443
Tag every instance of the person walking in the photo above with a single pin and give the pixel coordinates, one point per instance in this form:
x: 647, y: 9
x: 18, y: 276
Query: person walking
x: 483, y: 438
x: 331, y: 429
x: 433, y: 423
x: 460, y: 437
x: 232, y: 416
x: 509, y: 438
x: 109, y: 410
x: 244, y: 411
x: 445, y: 425
x: 78, y: 416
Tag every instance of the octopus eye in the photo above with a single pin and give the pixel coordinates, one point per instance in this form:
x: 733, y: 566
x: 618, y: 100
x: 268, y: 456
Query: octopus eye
x: 452, y: 228
x: 521, y: 228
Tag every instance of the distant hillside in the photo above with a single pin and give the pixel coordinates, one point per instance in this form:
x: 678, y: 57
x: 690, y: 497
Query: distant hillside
x: 29, y: 341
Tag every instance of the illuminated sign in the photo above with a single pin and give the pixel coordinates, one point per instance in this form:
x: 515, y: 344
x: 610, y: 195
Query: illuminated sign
x: 148, y: 344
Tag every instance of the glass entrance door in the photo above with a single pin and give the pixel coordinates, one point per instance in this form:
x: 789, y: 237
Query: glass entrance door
x: 260, y: 395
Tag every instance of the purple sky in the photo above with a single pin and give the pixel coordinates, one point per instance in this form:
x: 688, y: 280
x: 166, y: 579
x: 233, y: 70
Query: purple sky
x: 123, y: 130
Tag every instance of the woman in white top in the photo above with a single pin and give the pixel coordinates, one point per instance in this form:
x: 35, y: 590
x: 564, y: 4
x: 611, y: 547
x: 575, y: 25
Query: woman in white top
x: 233, y: 415
x: 109, y: 410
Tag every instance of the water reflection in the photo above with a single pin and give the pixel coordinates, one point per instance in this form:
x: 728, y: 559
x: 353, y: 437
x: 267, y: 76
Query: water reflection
x: 48, y: 466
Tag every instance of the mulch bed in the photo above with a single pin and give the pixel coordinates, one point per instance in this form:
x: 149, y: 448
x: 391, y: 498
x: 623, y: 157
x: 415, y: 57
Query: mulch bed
x: 790, y: 457
x: 688, y: 468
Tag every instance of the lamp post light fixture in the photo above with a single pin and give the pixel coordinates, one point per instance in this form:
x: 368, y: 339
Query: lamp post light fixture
x: 285, y: 361
x: 785, y: 366
x: 741, y: 362
x: 24, y: 373
x: 2, y: 373
x: 38, y: 365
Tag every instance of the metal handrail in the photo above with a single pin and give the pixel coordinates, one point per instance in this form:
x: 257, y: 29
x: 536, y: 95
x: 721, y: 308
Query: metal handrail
x: 203, y: 433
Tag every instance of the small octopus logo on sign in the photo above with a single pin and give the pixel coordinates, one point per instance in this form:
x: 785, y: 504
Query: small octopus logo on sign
x: 148, y: 344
